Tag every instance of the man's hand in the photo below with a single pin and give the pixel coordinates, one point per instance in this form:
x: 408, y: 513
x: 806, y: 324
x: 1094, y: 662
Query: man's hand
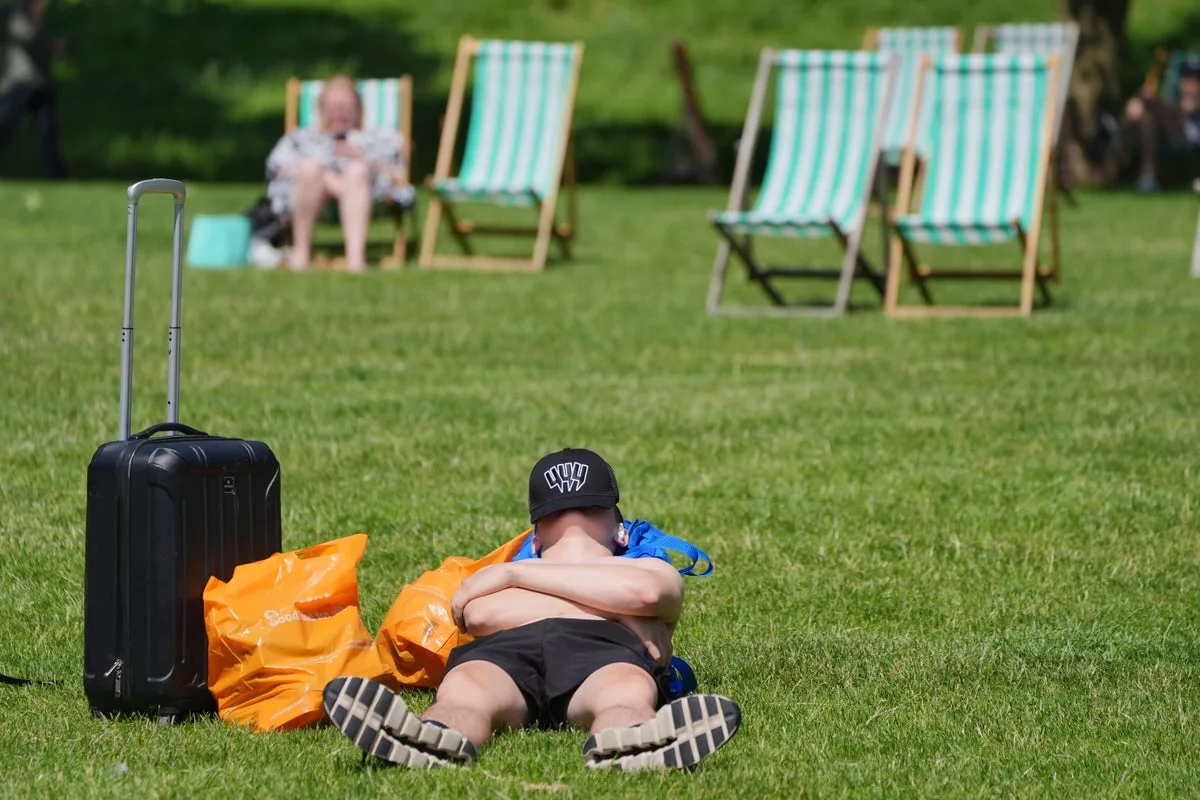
x: 488, y: 580
x: 1134, y: 109
x: 654, y: 633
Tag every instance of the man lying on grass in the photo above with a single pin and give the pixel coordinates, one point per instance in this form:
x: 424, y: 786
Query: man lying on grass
x: 575, y: 636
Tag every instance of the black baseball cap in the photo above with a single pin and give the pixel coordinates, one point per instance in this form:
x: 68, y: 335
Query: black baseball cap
x: 571, y: 478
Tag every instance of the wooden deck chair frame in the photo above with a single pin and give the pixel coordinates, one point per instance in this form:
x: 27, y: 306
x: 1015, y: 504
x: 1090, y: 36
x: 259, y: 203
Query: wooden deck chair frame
x: 462, y: 229
x: 402, y: 219
x: 853, y: 266
x: 1031, y: 272
x: 871, y: 42
x: 985, y: 34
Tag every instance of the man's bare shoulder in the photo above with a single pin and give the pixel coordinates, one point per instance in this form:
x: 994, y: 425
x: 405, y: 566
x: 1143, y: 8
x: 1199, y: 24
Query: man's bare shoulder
x: 652, y: 565
x: 647, y: 563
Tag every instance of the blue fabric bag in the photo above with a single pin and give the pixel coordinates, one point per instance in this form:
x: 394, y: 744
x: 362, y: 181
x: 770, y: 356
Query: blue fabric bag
x: 219, y: 241
x: 647, y: 541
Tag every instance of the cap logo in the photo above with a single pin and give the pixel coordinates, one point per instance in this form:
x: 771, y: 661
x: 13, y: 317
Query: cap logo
x: 566, y: 477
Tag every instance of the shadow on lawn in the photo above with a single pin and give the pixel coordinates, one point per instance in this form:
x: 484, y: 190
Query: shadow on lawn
x: 195, y: 89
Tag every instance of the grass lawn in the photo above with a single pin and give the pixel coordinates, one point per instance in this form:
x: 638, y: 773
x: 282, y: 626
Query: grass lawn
x: 953, y: 558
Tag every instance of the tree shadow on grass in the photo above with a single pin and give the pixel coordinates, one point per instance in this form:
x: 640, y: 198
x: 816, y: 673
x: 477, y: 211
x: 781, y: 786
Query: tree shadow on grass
x: 195, y: 89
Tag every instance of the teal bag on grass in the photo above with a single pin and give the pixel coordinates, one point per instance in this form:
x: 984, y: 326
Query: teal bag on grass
x: 219, y: 241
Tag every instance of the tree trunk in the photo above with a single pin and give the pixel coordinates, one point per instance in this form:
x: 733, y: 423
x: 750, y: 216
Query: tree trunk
x: 1088, y: 158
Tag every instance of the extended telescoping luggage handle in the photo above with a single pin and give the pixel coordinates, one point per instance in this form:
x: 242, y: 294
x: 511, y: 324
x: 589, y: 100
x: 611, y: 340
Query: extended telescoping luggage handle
x: 135, y: 193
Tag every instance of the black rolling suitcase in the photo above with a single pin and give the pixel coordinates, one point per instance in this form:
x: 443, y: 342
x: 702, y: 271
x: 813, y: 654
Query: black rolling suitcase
x: 164, y: 513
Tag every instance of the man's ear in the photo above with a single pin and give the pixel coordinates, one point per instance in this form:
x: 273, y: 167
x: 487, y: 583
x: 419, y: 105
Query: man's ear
x: 535, y: 545
x: 622, y: 536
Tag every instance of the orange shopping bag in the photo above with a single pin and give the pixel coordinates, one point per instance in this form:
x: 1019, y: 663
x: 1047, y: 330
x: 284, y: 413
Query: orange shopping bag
x: 282, y: 628
x: 418, y: 632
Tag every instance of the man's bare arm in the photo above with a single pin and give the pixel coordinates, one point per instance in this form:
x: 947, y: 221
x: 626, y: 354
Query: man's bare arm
x: 512, y: 608
x: 641, y: 588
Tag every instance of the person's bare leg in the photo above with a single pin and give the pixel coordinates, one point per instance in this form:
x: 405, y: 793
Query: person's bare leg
x: 354, y: 203
x: 308, y: 195
x: 618, y: 703
x: 476, y: 699
x: 615, y: 696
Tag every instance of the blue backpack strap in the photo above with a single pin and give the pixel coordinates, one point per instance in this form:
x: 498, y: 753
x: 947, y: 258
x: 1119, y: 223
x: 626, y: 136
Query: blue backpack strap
x: 645, y: 540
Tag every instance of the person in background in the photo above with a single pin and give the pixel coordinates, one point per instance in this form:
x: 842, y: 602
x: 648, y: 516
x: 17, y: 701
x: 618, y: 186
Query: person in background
x: 338, y: 160
x: 26, y: 81
x: 1154, y: 128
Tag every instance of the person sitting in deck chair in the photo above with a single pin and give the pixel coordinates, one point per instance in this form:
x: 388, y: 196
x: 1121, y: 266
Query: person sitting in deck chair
x: 575, y: 636
x: 1155, y: 128
x: 339, y: 160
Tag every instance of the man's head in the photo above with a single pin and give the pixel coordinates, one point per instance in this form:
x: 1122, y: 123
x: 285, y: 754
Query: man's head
x: 575, y: 491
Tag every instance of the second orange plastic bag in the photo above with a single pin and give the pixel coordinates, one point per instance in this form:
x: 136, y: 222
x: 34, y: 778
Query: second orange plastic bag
x: 282, y: 628
x: 418, y: 632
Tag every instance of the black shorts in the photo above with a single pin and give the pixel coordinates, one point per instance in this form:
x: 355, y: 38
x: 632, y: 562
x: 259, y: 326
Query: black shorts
x: 549, y: 659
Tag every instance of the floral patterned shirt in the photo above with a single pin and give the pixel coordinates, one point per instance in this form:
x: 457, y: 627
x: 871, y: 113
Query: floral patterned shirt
x: 381, y: 150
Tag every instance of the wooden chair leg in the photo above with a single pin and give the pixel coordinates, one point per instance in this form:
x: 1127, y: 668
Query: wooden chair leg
x: 457, y: 228
x: 1055, y: 265
x: 429, y: 238
x: 914, y: 270
x: 395, y: 259
x: 545, y: 231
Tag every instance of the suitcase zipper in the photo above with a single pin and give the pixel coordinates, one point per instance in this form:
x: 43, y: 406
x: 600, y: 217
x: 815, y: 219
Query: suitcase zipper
x: 116, y: 668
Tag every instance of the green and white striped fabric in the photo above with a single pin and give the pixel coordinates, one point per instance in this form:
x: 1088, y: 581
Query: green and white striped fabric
x: 985, y: 129
x: 829, y: 109
x: 515, y: 138
x: 1171, y: 72
x: 1043, y: 39
x: 910, y: 44
x: 381, y: 103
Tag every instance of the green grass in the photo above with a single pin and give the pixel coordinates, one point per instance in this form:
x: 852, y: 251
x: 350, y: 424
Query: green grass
x: 195, y: 88
x: 953, y: 558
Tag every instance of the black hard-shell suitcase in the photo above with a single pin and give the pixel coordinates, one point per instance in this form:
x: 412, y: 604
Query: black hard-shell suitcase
x: 164, y: 513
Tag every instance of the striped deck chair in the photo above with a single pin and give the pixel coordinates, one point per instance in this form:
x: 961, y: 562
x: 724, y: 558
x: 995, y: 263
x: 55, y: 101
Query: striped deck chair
x: 830, y: 108
x: 989, y: 130
x: 1039, y: 38
x: 910, y: 44
x: 387, y: 104
x: 518, y: 147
